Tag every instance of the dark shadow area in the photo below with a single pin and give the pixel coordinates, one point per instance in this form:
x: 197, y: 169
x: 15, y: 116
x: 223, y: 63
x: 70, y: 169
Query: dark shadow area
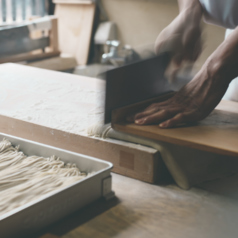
x: 78, y: 218
x: 165, y: 177
x: 224, y: 183
x: 226, y: 186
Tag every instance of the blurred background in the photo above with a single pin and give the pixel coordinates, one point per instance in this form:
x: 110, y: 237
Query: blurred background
x: 88, y: 37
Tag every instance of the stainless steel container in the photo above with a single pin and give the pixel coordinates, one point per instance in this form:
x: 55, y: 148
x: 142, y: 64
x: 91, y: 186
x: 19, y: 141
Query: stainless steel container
x: 56, y: 205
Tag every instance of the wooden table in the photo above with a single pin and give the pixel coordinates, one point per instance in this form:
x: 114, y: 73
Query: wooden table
x: 139, y: 209
x: 144, y: 210
x: 24, y: 87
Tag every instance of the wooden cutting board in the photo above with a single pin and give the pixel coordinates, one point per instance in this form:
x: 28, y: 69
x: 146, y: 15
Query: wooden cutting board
x: 218, y: 133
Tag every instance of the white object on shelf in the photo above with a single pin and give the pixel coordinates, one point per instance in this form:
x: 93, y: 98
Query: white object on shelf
x: 106, y: 31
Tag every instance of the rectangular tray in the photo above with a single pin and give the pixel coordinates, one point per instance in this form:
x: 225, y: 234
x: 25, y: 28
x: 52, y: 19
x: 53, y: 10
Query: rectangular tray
x: 54, y: 206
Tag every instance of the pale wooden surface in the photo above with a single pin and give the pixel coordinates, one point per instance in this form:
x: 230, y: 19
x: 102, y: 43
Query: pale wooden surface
x: 28, y: 56
x: 217, y: 133
x: 142, y: 163
x: 75, y: 29
x: 54, y: 35
x: 55, y: 63
x: 129, y: 159
x: 144, y: 210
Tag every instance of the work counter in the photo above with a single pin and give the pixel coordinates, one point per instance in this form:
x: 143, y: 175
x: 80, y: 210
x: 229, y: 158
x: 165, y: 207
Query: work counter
x: 139, y: 209
x: 143, y: 210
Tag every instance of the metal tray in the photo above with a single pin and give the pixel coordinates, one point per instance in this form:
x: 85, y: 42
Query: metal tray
x: 51, y: 207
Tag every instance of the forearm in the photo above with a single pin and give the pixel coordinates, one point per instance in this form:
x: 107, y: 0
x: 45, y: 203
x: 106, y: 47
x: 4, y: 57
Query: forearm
x: 223, y: 63
x: 192, y: 8
x: 188, y: 4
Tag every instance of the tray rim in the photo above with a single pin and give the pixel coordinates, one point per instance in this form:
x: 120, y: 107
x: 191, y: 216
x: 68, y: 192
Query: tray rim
x: 53, y: 193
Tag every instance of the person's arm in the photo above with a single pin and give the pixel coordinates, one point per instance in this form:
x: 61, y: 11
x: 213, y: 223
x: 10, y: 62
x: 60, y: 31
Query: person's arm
x: 182, y: 36
x: 188, y: 4
x: 200, y: 96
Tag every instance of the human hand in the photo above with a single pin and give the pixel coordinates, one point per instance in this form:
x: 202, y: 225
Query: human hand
x: 201, y: 95
x: 182, y: 37
x: 192, y: 103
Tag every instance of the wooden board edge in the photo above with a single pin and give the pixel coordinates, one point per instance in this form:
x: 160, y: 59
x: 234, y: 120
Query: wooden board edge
x: 122, y: 128
x: 119, y: 123
x: 29, y: 57
x: 128, y: 161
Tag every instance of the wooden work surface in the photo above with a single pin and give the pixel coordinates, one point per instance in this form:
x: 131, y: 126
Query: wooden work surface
x: 139, y: 209
x: 217, y: 133
x: 143, y: 210
x: 24, y: 87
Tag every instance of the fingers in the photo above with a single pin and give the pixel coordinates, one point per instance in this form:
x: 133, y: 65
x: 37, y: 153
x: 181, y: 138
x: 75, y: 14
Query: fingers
x: 155, y: 107
x: 180, y: 118
x: 168, y: 118
x: 157, y: 117
x: 130, y: 118
x: 158, y: 104
x: 147, y: 111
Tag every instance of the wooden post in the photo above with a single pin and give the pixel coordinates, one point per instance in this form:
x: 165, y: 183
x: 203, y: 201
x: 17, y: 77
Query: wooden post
x: 75, y: 28
x: 54, y: 44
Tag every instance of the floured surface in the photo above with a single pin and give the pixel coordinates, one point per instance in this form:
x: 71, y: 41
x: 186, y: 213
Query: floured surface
x: 56, y: 100
x: 55, y: 108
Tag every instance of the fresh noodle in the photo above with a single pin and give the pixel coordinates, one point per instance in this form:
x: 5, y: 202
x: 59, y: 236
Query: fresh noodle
x: 26, y: 178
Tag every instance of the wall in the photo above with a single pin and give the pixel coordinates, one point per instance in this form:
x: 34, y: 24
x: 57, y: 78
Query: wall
x: 140, y: 21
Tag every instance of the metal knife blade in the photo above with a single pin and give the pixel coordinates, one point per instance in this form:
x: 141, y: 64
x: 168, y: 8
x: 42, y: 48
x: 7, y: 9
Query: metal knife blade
x: 136, y: 82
